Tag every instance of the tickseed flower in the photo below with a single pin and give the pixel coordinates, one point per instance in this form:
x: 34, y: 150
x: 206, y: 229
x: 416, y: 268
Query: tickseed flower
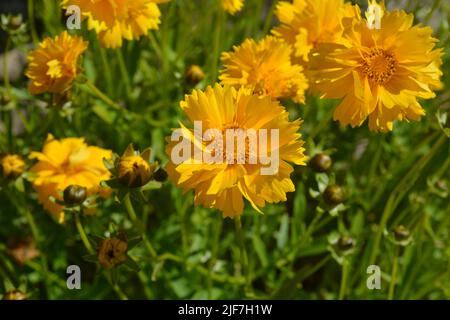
x: 307, y: 23
x: 15, y: 295
x: 232, y: 6
x: 265, y: 67
x: 379, y: 73
x: 223, y: 172
x: 67, y: 162
x: 112, y: 252
x: 115, y: 20
x: 11, y: 166
x: 53, y: 65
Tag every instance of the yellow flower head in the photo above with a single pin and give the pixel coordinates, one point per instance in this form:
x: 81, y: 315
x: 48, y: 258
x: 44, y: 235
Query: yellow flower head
x: 232, y: 6
x: 134, y: 170
x: 222, y: 176
x: 67, y: 162
x: 379, y: 73
x: 112, y: 252
x: 266, y: 68
x: 53, y: 65
x: 11, y: 166
x: 307, y: 23
x: 115, y: 20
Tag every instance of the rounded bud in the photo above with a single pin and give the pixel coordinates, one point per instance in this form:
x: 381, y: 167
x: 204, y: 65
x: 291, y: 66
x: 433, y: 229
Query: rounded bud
x: 321, y: 162
x: 346, y: 243
x: 15, y: 22
x: 334, y: 195
x: 401, y: 233
x: 160, y: 175
x: 134, y: 171
x: 194, y: 74
x: 74, y: 195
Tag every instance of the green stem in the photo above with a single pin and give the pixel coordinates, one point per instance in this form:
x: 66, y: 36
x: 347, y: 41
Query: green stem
x: 399, y: 192
x: 102, y: 96
x: 132, y: 213
x: 106, y: 69
x: 82, y: 233
x: 393, y: 274
x: 32, y: 22
x: 243, y: 252
x: 124, y: 71
x: 344, y: 279
x: 217, y: 45
x: 269, y: 17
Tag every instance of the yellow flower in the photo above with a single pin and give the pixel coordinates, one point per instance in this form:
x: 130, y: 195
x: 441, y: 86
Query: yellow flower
x: 53, y: 65
x: 307, y: 23
x: 112, y: 252
x: 115, y: 20
x: 379, y: 73
x: 11, y: 166
x: 223, y: 184
x: 134, y: 170
x: 266, y: 68
x: 232, y: 6
x: 67, y: 162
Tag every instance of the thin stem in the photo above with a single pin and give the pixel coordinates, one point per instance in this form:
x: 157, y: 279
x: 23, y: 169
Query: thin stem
x: 132, y: 213
x: 344, y: 279
x: 269, y: 17
x: 32, y: 22
x: 243, y: 252
x: 102, y: 96
x: 106, y: 70
x: 124, y: 71
x: 82, y: 234
x: 393, y: 274
x: 216, y: 45
x: 116, y: 287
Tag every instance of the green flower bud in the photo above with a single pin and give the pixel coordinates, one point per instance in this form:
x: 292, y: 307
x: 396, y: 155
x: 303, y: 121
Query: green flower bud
x: 401, y: 233
x: 321, y: 162
x: 334, y: 195
x: 346, y: 243
x: 74, y: 195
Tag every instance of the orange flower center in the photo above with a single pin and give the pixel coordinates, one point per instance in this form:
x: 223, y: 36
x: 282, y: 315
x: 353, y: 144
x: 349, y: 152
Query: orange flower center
x: 379, y: 65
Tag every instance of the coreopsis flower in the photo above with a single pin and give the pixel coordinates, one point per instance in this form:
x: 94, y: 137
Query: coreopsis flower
x: 53, y: 65
x: 232, y: 6
x: 112, y: 252
x: 15, y: 295
x: 11, y: 166
x: 307, y: 23
x: 266, y: 68
x: 67, y: 162
x: 222, y: 173
x: 379, y: 73
x: 115, y: 20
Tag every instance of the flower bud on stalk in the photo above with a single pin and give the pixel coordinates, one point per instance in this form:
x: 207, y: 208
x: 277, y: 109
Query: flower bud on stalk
x: 74, y: 195
x: 321, y: 162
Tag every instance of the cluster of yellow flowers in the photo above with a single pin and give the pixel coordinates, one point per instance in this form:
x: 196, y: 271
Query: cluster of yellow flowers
x: 324, y: 46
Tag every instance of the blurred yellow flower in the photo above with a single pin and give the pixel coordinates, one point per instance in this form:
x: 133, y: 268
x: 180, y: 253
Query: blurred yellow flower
x: 11, y: 166
x: 380, y: 74
x: 67, y: 162
x: 115, y: 20
x: 264, y: 67
x: 53, y: 65
x: 307, y: 23
x: 224, y: 184
x: 232, y: 6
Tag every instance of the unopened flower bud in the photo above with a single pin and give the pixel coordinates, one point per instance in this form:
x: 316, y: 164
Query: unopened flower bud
x: 15, y: 22
x: 321, y: 162
x: 74, y: 195
x: 334, y: 195
x: 401, y: 233
x: 346, y: 243
x: 194, y: 74
x: 134, y: 170
x: 160, y: 175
